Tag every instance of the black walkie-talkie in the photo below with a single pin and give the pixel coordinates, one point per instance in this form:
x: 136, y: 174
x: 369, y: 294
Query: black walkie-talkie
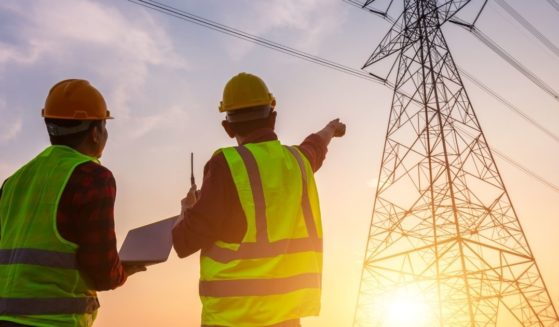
x: 192, y: 182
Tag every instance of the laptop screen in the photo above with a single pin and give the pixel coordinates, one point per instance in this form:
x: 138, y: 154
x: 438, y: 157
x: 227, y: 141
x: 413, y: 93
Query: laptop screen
x: 149, y: 244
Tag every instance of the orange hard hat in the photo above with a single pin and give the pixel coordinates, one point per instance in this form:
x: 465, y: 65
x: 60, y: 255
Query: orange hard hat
x: 75, y: 99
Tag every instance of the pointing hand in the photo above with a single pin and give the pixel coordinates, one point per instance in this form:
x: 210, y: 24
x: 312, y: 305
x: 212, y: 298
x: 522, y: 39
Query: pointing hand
x: 337, y: 126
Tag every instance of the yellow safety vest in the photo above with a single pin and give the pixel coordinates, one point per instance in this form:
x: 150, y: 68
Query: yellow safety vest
x: 40, y: 284
x: 275, y: 273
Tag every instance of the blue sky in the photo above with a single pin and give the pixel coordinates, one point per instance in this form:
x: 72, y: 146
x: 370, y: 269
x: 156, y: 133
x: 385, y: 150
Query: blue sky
x: 162, y: 79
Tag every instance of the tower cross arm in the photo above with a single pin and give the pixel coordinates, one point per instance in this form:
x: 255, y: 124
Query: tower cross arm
x: 394, y: 41
x: 450, y: 8
x: 402, y: 33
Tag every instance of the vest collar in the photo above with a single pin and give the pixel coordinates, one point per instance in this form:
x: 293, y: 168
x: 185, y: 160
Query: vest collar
x: 260, y: 135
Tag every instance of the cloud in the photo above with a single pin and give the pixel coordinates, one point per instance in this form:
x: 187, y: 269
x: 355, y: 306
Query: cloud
x: 61, y: 27
x: 10, y: 124
x: 10, y: 54
x: 9, y: 132
x: 27, y: 52
x: 6, y: 170
x: 116, y: 50
x: 166, y: 119
x: 310, y: 21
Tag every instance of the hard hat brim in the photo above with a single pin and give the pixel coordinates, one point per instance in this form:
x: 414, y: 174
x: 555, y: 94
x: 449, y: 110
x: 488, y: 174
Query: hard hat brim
x: 76, y: 117
x: 249, y: 114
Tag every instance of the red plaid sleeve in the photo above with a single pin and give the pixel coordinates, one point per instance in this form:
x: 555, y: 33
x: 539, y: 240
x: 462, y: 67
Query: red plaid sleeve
x: 86, y: 217
x: 314, y: 149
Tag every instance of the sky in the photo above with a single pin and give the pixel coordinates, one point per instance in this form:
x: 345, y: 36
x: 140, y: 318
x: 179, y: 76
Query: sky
x: 163, y: 78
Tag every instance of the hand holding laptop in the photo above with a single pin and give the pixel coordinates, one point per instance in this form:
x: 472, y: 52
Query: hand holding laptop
x: 132, y: 269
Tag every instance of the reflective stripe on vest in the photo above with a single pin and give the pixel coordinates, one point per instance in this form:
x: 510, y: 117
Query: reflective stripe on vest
x: 38, y: 257
x: 259, y: 287
x: 257, y: 193
x: 257, y: 250
x: 262, y: 248
x: 45, y: 306
x: 305, y: 203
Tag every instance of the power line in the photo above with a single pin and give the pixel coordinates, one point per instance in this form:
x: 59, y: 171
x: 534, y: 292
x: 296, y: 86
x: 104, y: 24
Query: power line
x: 509, y: 105
x: 518, y: 165
x: 528, y: 26
x: 177, y: 13
x: 527, y: 171
x: 186, y: 16
x: 554, y: 4
x: 485, y: 39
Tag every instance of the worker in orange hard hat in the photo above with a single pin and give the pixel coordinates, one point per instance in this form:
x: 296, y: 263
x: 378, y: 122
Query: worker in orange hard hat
x: 58, y: 244
x: 257, y: 217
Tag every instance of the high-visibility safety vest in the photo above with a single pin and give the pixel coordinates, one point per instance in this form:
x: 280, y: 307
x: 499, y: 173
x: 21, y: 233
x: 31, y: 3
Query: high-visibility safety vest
x: 274, y: 274
x: 40, y: 284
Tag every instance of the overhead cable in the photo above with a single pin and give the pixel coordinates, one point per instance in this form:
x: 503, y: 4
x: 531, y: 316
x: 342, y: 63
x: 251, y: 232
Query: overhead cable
x: 171, y: 11
x: 528, y: 26
x: 509, y: 105
x: 513, y: 62
x: 181, y: 14
x: 554, y: 4
x: 526, y: 170
x: 518, y: 165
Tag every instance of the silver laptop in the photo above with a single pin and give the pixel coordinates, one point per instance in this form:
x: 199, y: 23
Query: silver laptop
x: 149, y: 244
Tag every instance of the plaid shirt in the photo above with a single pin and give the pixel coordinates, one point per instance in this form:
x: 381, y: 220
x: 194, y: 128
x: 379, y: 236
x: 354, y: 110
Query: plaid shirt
x: 85, y: 217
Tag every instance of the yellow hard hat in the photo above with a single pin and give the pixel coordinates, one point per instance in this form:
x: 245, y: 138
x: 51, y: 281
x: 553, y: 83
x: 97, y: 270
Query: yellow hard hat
x: 75, y: 99
x: 245, y: 91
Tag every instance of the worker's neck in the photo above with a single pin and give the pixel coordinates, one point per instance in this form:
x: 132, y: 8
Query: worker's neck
x: 88, y: 150
x: 253, y: 136
x: 240, y: 139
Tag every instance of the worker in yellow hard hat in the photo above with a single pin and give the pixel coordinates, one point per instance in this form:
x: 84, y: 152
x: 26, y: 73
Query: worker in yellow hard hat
x: 256, y: 218
x: 57, y: 238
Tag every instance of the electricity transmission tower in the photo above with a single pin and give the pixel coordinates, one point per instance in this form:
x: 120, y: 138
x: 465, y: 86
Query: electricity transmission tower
x: 443, y: 227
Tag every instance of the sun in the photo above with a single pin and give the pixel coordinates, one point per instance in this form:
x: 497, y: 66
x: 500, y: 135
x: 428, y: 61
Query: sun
x: 406, y: 308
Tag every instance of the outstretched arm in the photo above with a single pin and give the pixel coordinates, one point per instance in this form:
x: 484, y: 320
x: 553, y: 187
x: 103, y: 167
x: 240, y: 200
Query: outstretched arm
x: 335, y: 128
x: 315, y: 146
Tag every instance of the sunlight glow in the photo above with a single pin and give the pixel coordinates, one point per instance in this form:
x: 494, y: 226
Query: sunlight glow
x: 405, y: 308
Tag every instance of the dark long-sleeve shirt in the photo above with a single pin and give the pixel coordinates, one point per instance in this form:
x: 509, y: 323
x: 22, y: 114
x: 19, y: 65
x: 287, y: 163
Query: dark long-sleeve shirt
x: 85, y: 216
x: 218, y: 215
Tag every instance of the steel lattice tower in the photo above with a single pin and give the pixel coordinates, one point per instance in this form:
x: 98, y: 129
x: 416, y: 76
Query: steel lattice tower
x: 443, y: 227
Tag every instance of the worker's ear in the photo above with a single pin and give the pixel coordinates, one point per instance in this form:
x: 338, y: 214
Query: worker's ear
x: 227, y: 127
x: 272, y: 119
x: 95, y: 134
x: 98, y: 133
x: 92, y: 136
